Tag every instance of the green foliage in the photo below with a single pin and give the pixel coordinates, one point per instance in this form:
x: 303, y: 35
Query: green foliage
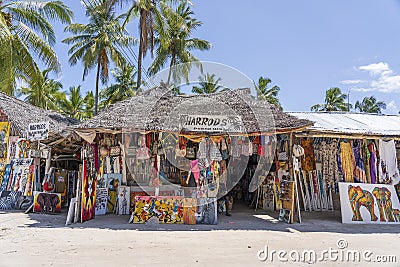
x: 174, y: 41
x: 370, y: 105
x: 208, y: 84
x: 124, y: 87
x: 43, y: 92
x: 26, y: 38
x: 335, y: 100
x: 74, y: 105
x: 266, y: 93
x: 98, y: 42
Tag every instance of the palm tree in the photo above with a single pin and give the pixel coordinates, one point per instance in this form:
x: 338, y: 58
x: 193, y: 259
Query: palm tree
x: 26, y: 39
x: 89, y: 106
x: 174, y: 40
x: 370, y: 105
x: 43, y: 92
x: 266, y: 93
x: 98, y: 42
x: 335, y: 100
x: 208, y: 84
x: 124, y: 88
x: 74, y: 105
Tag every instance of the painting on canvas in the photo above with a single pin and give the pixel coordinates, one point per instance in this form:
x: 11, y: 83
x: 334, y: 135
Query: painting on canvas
x: 369, y: 203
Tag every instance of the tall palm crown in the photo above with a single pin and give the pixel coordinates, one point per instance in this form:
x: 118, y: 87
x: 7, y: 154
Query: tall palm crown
x: 335, y: 100
x: 266, y: 93
x: 174, y: 40
x: 74, y: 105
x: 27, y: 37
x: 370, y: 105
x: 98, y: 42
x: 208, y: 84
x: 43, y: 92
x: 124, y: 87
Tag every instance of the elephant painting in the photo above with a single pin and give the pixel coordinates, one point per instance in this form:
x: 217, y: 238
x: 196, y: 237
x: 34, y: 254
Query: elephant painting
x: 47, y: 202
x: 396, y: 215
x: 358, y: 198
x: 384, y: 201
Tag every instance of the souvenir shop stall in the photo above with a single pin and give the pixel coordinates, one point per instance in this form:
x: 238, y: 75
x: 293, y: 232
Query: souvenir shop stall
x: 169, y: 159
x: 353, y: 158
x: 27, y: 147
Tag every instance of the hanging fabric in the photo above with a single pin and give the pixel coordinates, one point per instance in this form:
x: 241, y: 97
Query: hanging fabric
x: 359, y: 170
x: 348, y: 162
x: 372, y: 162
x: 308, y: 161
x: 388, y: 168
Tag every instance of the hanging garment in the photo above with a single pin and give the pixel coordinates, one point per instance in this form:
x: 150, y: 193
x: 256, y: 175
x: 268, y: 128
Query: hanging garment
x: 195, y: 170
x: 330, y: 167
x: 308, y: 161
x: 143, y: 151
x: 359, y: 170
x: 372, y: 162
x: 388, y: 169
x: 348, y: 162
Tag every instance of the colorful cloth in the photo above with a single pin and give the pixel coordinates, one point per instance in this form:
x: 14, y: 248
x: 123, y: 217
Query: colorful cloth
x: 359, y: 170
x: 308, y: 161
x: 372, y: 162
x: 348, y: 162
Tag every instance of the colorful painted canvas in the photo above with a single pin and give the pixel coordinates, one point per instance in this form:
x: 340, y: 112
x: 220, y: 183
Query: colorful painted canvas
x: 206, y: 211
x: 20, y: 178
x: 101, y: 201
x: 123, y: 200
x: 4, y: 134
x: 189, y: 210
x: 88, y: 209
x: 30, y: 181
x: 113, y: 181
x: 47, y: 202
x: 12, y: 147
x: 6, y: 177
x: 369, y: 203
x: 134, y: 194
x: 22, y: 149
x: 166, y: 209
x: 8, y: 199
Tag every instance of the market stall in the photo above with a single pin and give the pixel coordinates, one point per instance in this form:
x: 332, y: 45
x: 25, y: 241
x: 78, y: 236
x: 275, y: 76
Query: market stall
x: 29, y: 138
x: 172, y: 157
x: 355, y: 156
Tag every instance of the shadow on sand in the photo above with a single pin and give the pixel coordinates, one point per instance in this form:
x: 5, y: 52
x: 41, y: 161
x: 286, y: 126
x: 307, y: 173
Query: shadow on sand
x: 242, y: 219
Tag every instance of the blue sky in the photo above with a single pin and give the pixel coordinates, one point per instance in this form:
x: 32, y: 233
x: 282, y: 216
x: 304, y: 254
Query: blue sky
x: 305, y: 47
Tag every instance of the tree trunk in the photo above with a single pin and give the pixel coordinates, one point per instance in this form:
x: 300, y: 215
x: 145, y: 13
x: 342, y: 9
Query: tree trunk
x: 96, y: 94
x: 140, y: 56
x: 170, y: 68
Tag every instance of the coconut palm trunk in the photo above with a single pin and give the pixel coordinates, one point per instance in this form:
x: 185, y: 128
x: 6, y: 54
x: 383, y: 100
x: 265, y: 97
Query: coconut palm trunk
x: 171, y: 65
x: 96, y: 94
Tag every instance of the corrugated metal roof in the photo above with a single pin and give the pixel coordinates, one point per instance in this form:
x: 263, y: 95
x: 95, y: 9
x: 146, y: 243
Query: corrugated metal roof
x: 352, y: 123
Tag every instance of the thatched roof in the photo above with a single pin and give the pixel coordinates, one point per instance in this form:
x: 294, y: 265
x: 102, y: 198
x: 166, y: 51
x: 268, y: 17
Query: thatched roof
x: 158, y: 109
x: 21, y: 114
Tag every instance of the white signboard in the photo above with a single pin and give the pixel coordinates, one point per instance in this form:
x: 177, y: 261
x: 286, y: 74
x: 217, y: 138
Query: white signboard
x: 211, y: 123
x: 38, y: 131
x: 369, y: 203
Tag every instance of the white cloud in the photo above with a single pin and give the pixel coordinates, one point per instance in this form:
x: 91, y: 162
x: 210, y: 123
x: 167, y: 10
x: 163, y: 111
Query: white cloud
x: 353, y: 82
x: 382, y: 79
x: 391, y: 108
x: 377, y: 68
